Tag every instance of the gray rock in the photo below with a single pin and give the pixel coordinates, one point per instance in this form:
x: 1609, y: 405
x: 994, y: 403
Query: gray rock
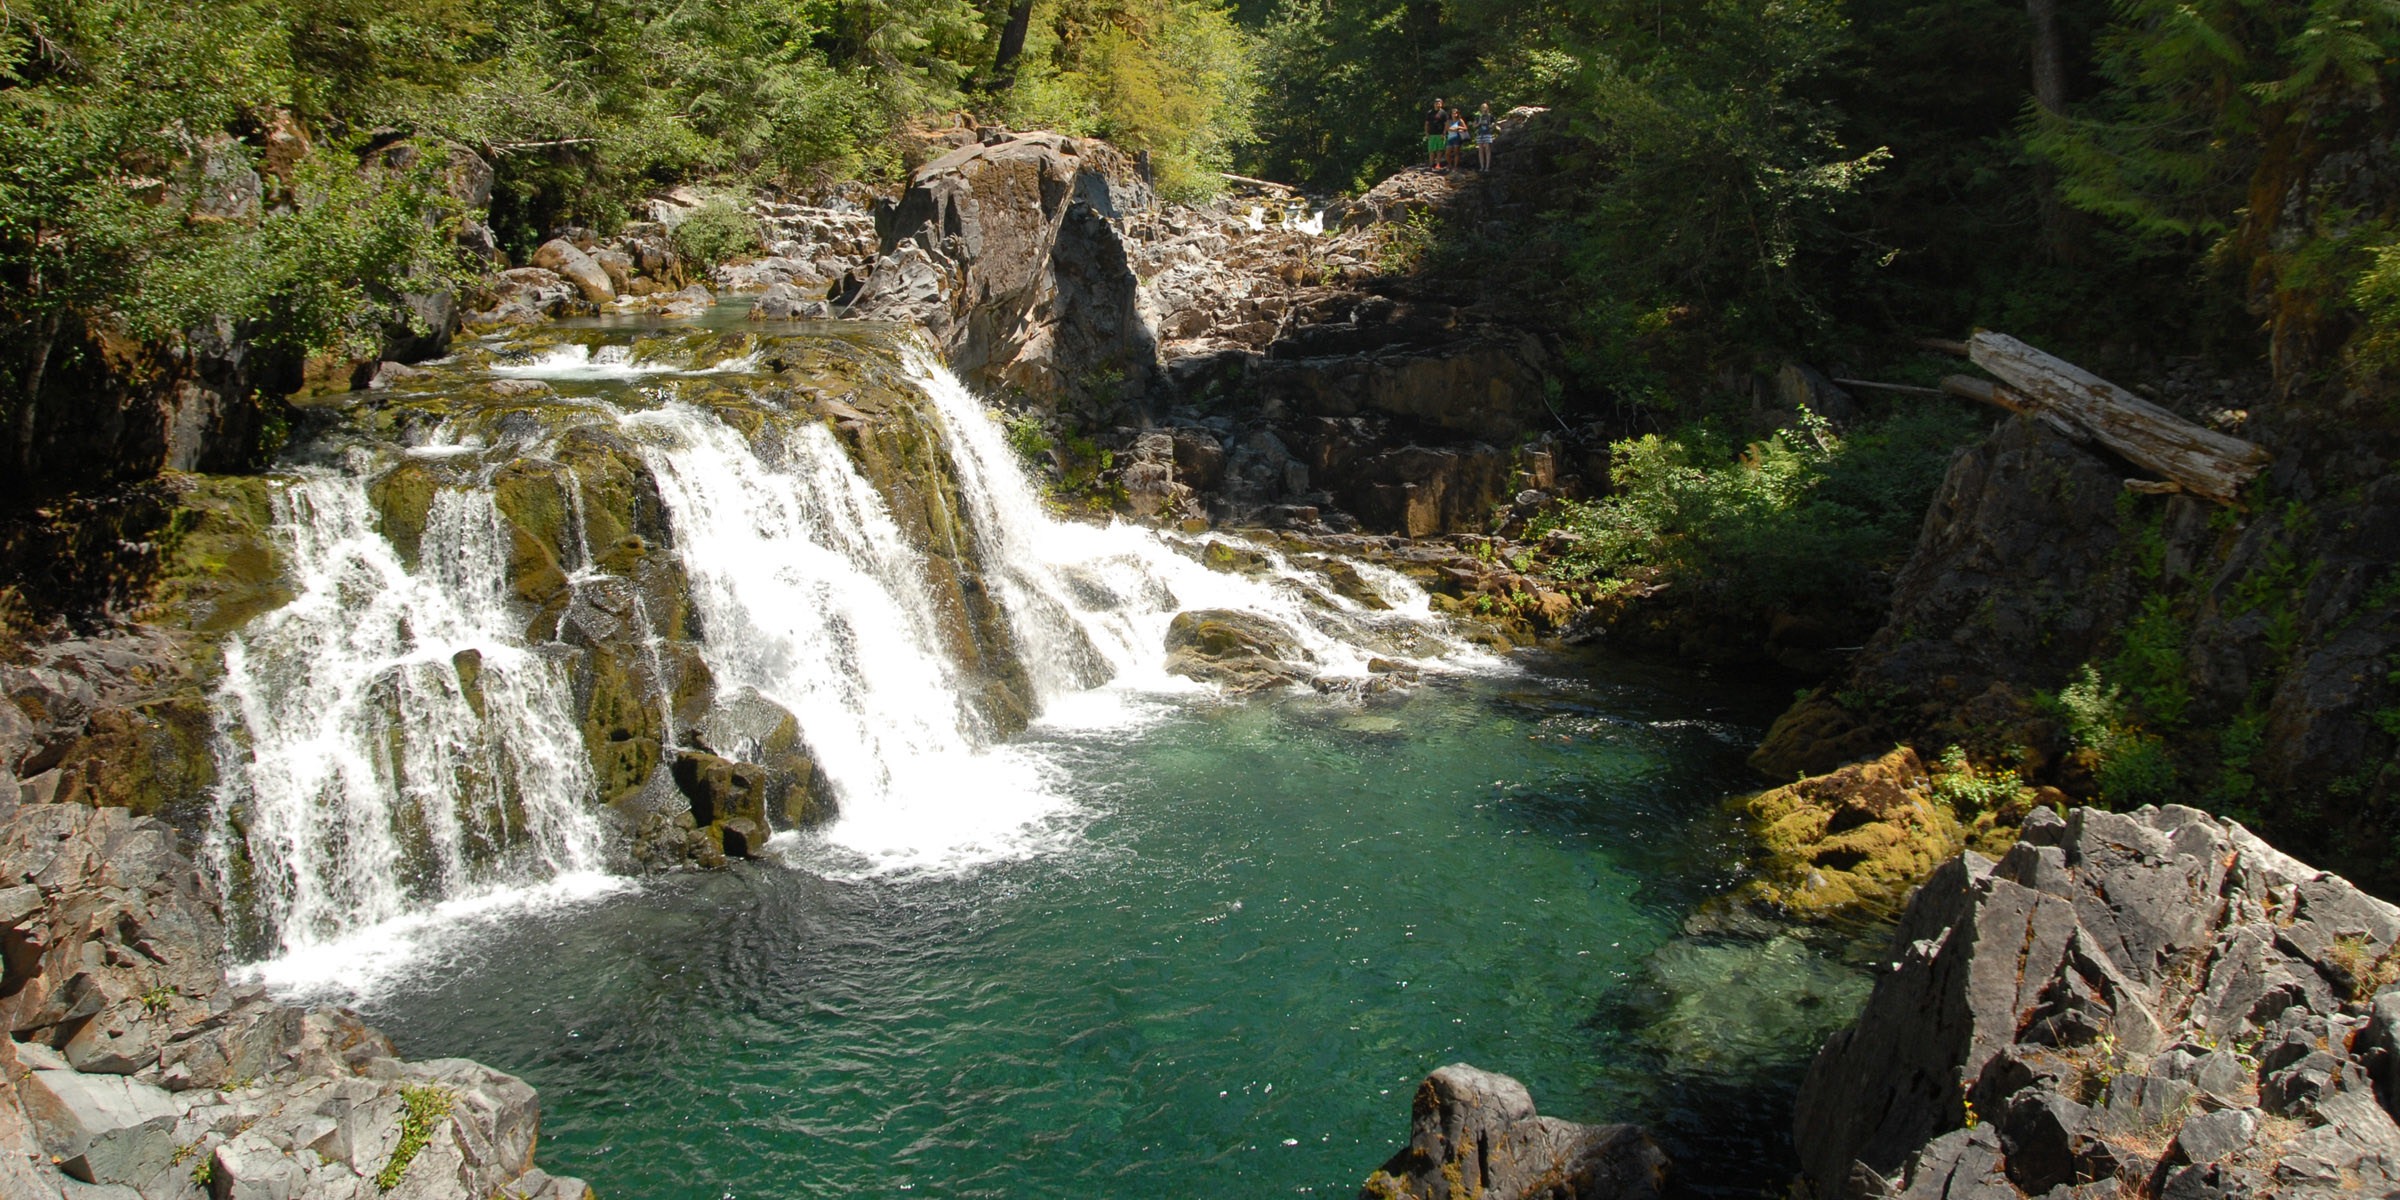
x: 2212, y: 1136
x: 783, y: 301
x: 1481, y: 1129
x: 560, y: 256
x: 1007, y: 254
x: 101, y: 1128
x: 249, y: 1167
x: 1239, y: 651
x: 42, y: 788
x: 2040, y: 981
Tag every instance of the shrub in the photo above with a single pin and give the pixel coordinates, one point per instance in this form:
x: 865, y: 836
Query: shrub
x: 1969, y: 790
x: 1794, y: 519
x: 2130, y: 766
x: 719, y: 231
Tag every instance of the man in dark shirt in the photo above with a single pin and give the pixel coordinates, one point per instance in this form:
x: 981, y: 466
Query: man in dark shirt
x: 1437, y: 125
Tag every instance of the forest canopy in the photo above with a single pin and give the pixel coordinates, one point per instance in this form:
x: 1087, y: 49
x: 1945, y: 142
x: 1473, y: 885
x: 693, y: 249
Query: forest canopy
x: 1749, y: 176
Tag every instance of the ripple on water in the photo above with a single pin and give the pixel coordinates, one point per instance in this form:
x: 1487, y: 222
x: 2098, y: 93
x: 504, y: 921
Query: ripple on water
x: 1270, y: 921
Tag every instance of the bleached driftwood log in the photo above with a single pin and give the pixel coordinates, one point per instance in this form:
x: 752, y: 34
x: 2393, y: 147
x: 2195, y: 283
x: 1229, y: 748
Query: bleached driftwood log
x: 2203, y: 461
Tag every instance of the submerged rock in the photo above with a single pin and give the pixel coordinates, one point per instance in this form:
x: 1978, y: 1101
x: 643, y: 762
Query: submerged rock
x: 1474, y: 1134
x: 2125, y: 1001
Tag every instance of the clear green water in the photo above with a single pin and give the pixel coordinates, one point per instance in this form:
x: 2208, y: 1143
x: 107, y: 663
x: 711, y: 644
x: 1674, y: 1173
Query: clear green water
x: 1272, y: 919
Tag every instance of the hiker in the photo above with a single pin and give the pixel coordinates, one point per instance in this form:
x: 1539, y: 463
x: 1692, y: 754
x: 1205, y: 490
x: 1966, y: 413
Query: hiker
x: 1457, y: 135
x: 1437, y: 127
x: 1485, y: 130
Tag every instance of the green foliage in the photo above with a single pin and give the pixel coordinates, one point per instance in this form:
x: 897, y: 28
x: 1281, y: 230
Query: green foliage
x: 2214, y: 114
x: 424, y: 1108
x: 718, y: 231
x: 2376, y: 292
x: 1970, y: 790
x: 1401, y: 246
x: 2130, y: 765
x: 2150, y: 661
x: 1796, y: 518
x: 1175, y: 77
x: 1027, y: 437
x: 119, y: 174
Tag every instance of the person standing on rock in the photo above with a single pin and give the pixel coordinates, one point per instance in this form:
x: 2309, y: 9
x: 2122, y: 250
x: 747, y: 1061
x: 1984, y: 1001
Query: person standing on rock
x: 1485, y: 130
x: 1437, y: 131
x: 1457, y: 135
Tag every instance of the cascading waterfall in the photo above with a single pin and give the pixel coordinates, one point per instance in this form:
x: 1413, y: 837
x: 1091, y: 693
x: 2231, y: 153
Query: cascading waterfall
x: 393, y: 746
x: 1093, y: 602
x: 813, y: 599
x: 388, y: 740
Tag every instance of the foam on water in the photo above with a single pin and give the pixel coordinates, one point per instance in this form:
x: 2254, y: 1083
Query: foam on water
x: 575, y: 362
x: 400, y: 767
x: 370, y: 959
x: 385, y: 740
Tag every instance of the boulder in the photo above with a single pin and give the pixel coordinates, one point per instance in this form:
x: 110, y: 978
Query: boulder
x: 783, y: 301
x: 101, y: 1128
x: 1238, y: 651
x: 562, y: 257
x: 1009, y: 257
x: 1474, y: 1134
x: 2055, y: 1019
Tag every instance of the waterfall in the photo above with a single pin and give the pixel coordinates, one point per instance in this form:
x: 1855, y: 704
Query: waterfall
x: 395, y: 750
x: 1091, y: 603
x: 813, y: 599
x: 386, y: 740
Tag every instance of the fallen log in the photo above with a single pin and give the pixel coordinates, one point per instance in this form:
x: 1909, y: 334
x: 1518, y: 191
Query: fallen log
x: 2205, y: 462
x: 1257, y: 183
x: 1869, y: 385
x: 2002, y: 396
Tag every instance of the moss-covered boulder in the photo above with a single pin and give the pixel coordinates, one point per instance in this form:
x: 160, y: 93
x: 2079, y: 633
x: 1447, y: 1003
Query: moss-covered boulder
x: 217, y: 562
x: 1853, y: 841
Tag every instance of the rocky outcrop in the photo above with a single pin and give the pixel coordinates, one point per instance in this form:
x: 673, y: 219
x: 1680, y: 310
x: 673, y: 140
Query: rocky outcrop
x: 1858, y: 840
x: 1008, y: 256
x: 1238, y: 651
x: 1474, y: 1134
x: 2152, y: 1003
x: 134, y: 1068
x: 2251, y: 646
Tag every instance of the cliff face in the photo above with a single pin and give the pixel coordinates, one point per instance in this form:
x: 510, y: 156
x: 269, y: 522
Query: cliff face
x: 1309, y: 373
x: 2126, y: 1004
x: 2243, y: 656
x: 133, y: 1066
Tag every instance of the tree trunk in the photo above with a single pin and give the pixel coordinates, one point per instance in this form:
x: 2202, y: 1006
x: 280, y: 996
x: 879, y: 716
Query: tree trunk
x: 2205, y: 462
x: 1012, y: 44
x: 2050, y: 93
x: 28, y: 419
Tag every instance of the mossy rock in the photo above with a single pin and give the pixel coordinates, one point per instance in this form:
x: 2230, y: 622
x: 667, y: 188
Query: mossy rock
x: 618, y: 717
x: 217, y: 565
x: 157, y: 758
x: 1850, y: 843
x: 1219, y: 555
x: 1343, y: 577
x: 1242, y: 652
x: 403, y: 498
x: 532, y: 501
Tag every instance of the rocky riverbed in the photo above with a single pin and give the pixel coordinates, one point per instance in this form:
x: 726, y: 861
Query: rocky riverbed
x: 135, y: 1070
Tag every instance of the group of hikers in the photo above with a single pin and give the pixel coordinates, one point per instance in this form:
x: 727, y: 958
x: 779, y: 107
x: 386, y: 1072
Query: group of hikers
x: 1447, y: 131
